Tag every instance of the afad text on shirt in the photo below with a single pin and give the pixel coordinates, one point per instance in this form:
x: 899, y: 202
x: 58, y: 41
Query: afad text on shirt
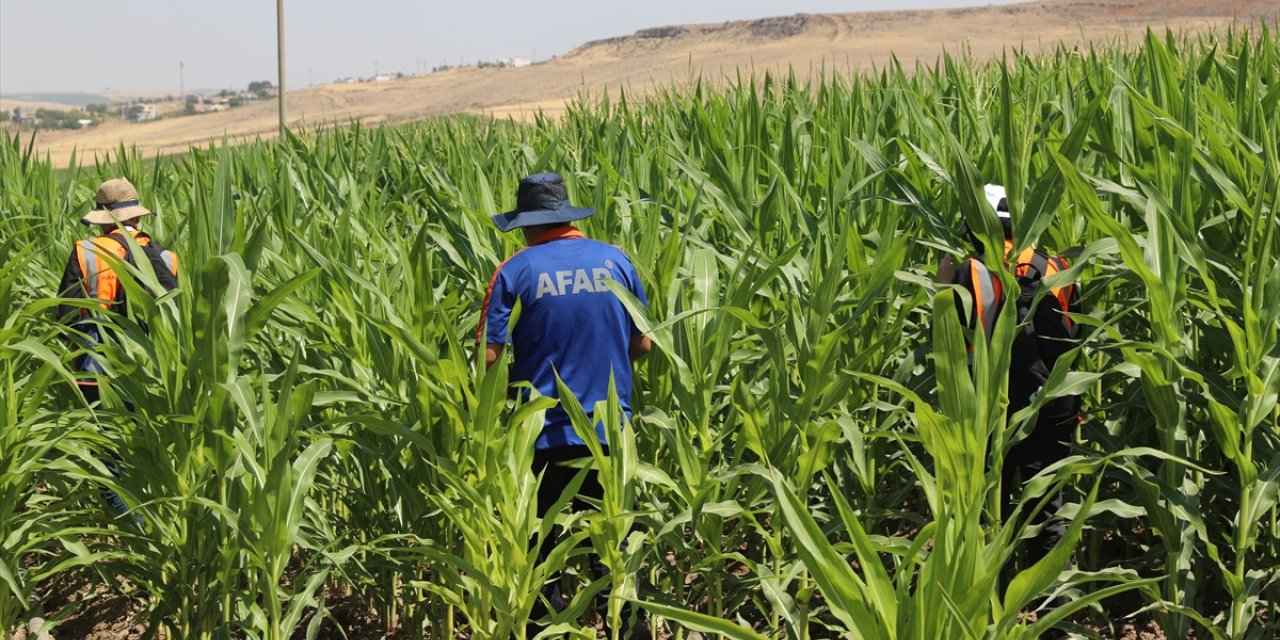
x: 573, y: 282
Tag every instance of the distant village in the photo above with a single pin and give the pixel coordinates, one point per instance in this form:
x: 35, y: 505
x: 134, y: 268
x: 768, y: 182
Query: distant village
x: 146, y: 109
x: 140, y: 110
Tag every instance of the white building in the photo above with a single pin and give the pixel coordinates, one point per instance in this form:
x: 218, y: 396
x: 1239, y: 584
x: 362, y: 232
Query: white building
x: 138, y: 112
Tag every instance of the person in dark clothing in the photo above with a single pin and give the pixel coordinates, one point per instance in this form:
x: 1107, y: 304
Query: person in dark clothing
x: 570, y: 325
x: 1047, y: 333
x: 94, y: 271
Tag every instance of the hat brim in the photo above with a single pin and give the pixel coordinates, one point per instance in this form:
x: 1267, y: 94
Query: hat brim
x: 516, y: 219
x: 115, y: 216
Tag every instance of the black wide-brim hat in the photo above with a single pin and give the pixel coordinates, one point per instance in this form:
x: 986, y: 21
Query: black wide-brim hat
x: 541, y: 199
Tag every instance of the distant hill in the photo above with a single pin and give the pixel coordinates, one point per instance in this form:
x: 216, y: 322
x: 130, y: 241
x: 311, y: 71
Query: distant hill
x: 660, y: 56
x: 1014, y: 25
x: 50, y: 99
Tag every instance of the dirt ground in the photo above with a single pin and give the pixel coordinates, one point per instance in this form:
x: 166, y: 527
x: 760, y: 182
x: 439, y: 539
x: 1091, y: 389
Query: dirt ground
x: 666, y: 56
x: 93, y: 611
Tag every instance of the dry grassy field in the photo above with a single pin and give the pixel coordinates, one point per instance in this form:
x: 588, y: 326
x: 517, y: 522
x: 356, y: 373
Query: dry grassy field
x: 808, y: 44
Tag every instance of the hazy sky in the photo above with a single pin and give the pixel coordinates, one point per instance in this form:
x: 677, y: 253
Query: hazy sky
x: 136, y: 45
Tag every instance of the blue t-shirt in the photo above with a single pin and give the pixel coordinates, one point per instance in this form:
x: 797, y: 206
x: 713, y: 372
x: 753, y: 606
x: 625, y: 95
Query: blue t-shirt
x: 570, y: 323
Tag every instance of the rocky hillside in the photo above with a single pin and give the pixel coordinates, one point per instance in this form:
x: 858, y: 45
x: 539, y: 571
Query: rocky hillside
x: 1011, y: 20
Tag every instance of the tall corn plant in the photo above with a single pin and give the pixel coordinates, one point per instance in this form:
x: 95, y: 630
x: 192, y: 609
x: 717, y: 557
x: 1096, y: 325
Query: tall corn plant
x: 46, y: 507
x: 1171, y: 236
x: 217, y: 477
x: 306, y: 400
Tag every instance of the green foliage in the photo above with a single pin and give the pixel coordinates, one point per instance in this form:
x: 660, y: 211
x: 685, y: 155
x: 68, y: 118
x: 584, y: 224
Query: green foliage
x: 814, y: 451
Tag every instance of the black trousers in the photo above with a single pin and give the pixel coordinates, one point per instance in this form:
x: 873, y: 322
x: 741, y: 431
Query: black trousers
x: 1046, y: 445
x: 556, y: 476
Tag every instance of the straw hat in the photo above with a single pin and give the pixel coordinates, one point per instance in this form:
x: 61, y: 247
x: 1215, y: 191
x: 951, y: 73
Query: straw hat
x: 115, y: 202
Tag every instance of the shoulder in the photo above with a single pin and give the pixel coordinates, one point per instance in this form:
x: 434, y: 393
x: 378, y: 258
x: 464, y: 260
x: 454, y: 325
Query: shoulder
x: 159, y: 246
x: 511, y: 269
x: 513, y: 262
x: 1057, y: 262
x: 612, y: 251
x: 971, y: 270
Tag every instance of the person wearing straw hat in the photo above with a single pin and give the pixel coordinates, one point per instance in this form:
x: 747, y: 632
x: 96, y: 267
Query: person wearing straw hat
x: 571, y: 325
x: 94, y: 271
x: 1046, y: 331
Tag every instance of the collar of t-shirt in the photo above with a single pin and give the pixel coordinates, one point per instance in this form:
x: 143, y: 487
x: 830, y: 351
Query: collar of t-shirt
x: 556, y: 233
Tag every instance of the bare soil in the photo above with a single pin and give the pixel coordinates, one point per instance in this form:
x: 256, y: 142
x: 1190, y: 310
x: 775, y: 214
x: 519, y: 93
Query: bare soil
x: 660, y: 57
x: 90, y: 610
x: 86, y: 609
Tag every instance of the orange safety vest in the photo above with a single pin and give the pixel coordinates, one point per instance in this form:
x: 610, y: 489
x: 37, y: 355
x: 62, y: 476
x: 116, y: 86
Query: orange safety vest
x: 100, y: 279
x: 101, y: 282
x: 988, y: 292
x: 1047, y: 265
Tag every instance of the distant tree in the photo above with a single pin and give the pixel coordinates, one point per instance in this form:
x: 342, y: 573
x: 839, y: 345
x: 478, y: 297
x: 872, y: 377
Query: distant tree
x: 97, y: 108
x: 54, y: 119
x: 260, y: 86
x: 225, y: 94
x: 189, y: 109
x: 4, y: 116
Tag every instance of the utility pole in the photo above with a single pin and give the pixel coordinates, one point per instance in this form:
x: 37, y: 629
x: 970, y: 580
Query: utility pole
x: 182, y: 83
x: 280, y: 59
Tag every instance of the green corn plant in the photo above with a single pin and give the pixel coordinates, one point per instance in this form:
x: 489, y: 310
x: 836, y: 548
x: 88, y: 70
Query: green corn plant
x: 300, y: 422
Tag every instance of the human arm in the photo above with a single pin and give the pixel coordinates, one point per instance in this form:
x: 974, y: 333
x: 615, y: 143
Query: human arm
x: 162, y: 266
x: 71, y: 286
x: 491, y: 354
x: 947, y: 270
x: 495, y: 316
x: 640, y: 346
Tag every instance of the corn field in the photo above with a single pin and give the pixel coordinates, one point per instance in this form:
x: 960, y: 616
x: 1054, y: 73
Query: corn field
x: 811, y: 454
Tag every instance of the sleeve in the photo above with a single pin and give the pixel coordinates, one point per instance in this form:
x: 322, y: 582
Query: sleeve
x: 72, y: 286
x: 636, y: 287
x: 165, y: 276
x: 499, y: 300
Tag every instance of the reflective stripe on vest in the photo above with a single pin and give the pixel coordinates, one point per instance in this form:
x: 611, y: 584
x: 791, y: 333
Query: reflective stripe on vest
x: 100, y: 280
x: 170, y: 260
x: 986, y: 295
x: 88, y: 254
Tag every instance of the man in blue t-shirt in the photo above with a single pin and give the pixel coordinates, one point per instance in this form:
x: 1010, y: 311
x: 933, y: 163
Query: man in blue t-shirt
x: 570, y: 324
